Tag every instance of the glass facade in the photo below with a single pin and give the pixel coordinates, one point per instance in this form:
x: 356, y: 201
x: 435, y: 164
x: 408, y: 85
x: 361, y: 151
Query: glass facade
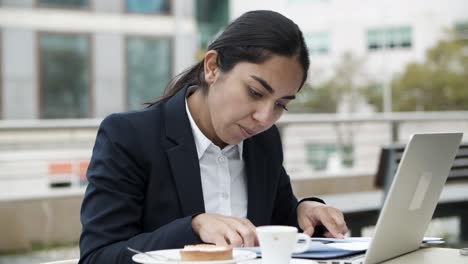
x: 63, y: 3
x: 148, y: 69
x: 319, y: 155
x: 318, y: 43
x: 461, y: 28
x: 148, y: 6
x: 389, y: 38
x: 64, y: 76
x: 212, y: 17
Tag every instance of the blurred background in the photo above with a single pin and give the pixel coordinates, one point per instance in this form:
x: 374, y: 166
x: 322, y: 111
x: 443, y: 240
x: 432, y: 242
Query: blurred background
x: 381, y: 70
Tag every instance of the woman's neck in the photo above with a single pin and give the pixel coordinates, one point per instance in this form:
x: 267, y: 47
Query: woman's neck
x: 199, y: 109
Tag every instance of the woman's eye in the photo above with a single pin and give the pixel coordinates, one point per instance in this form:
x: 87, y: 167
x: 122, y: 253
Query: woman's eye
x: 282, y: 106
x: 255, y: 93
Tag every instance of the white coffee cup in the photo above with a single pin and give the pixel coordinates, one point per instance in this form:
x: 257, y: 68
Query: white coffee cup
x: 277, y: 243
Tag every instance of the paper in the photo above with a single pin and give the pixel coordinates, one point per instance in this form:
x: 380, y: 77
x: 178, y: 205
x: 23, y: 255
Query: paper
x: 351, y: 246
x: 320, y: 250
x: 363, y: 239
x: 334, y: 246
x: 341, y: 240
x: 326, y: 248
x: 329, y: 247
x: 326, y: 254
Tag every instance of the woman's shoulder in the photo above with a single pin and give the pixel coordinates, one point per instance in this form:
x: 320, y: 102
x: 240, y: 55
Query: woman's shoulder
x: 269, y: 143
x: 269, y: 134
x: 144, y: 117
x: 137, y: 131
x: 269, y: 138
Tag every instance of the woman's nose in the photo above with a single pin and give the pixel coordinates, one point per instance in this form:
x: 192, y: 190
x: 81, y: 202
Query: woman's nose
x: 264, y: 115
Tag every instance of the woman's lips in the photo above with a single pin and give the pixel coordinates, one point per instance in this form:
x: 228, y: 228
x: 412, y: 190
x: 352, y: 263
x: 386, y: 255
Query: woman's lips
x: 246, y: 132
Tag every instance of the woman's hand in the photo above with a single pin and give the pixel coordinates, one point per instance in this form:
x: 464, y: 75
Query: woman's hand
x: 225, y: 230
x: 311, y: 214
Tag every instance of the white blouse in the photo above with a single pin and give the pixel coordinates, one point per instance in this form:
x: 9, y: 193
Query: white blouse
x: 222, y: 175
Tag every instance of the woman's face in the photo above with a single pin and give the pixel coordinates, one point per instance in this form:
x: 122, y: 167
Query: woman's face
x: 248, y: 99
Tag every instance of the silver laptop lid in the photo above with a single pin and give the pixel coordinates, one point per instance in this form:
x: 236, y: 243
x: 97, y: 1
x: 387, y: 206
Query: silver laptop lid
x: 413, y: 195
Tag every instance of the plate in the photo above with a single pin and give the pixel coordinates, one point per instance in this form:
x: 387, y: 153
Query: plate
x: 293, y: 261
x: 172, y: 256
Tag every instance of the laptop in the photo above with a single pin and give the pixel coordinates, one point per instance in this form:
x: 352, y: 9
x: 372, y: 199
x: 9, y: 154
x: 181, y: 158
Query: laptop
x: 412, y: 198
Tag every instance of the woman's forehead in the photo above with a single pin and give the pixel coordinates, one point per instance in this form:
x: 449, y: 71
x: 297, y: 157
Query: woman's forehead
x: 278, y: 73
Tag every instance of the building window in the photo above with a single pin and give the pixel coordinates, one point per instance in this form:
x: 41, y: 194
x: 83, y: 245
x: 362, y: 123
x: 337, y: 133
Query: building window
x: 148, y: 6
x: 212, y: 17
x: 321, y: 156
x: 80, y: 4
x: 64, y: 76
x: 318, y: 43
x: 461, y: 29
x: 148, y: 69
x: 389, y: 38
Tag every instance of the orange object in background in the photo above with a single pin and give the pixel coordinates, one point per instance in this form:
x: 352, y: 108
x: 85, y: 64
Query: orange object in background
x: 56, y: 168
x: 83, y: 167
x: 60, y: 174
x: 67, y: 173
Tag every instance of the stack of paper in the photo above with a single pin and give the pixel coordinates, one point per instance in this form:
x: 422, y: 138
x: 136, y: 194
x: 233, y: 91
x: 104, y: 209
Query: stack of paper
x: 323, y: 250
x: 326, y: 248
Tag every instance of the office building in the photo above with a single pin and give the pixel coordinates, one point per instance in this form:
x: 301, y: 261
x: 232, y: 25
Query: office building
x: 89, y: 58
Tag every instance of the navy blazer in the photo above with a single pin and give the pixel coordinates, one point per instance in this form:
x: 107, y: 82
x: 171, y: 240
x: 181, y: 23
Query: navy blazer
x: 144, y: 183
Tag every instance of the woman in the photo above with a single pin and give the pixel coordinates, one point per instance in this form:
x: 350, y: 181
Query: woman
x: 203, y: 164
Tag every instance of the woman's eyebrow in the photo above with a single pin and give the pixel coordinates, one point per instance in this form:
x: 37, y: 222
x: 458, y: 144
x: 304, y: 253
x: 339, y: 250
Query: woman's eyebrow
x: 263, y: 83
x: 269, y: 89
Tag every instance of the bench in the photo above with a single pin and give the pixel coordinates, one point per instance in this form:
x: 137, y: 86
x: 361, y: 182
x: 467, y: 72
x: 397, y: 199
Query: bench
x: 390, y: 158
x: 453, y: 200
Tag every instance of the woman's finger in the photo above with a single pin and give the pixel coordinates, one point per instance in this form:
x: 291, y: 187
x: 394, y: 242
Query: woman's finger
x: 220, y: 240
x: 245, y: 231
x: 233, y: 238
x: 329, y: 222
x: 306, y: 225
x: 339, y: 220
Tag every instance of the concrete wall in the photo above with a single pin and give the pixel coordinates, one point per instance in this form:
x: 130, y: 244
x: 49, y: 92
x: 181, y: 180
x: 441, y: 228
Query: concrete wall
x: 43, y: 221
x: 185, y: 41
x: 109, y: 77
x: 109, y: 6
x: 19, y: 76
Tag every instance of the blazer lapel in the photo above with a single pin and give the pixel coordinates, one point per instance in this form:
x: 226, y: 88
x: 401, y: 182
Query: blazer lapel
x: 182, y: 154
x: 255, y: 166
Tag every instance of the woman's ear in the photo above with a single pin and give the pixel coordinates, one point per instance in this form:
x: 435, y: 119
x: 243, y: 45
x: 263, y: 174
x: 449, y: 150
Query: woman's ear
x: 211, y: 66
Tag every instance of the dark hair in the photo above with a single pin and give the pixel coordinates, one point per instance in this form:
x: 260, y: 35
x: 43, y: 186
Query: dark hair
x: 253, y: 37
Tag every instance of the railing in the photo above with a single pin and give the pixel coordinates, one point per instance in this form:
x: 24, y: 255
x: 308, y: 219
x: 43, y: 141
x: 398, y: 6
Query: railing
x: 351, y: 143
x: 394, y: 119
x: 314, y: 145
x: 38, y: 154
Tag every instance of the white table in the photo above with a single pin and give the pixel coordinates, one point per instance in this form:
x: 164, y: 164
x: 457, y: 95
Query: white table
x: 431, y: 256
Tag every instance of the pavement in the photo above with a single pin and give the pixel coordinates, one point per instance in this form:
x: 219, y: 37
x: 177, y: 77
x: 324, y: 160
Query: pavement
x: 35, y: 257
